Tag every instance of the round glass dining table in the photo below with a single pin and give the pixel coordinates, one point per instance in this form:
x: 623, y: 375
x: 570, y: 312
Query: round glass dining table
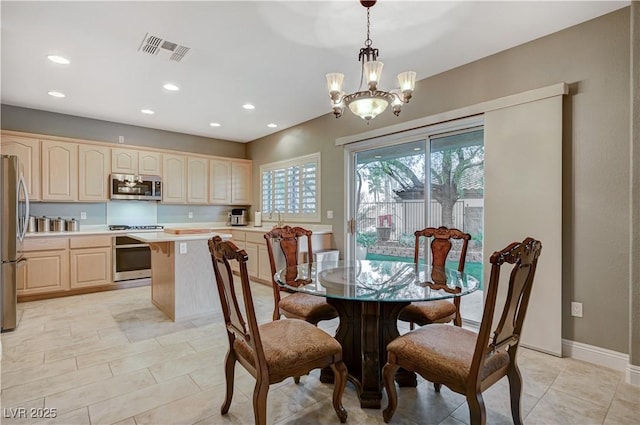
x: 368, y: 296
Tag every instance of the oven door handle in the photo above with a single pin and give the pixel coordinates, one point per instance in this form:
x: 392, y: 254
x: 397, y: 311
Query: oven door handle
x: 132, y: 245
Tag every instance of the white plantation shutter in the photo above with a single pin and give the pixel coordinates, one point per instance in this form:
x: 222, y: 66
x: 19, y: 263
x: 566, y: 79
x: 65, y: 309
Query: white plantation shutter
x: 292, y: 187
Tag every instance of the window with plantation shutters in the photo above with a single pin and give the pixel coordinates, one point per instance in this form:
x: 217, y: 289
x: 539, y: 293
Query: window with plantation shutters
x: 291, y: 187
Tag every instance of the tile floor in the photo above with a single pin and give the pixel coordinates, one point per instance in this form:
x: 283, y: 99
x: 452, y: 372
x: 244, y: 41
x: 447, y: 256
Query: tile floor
x: 112, y: 358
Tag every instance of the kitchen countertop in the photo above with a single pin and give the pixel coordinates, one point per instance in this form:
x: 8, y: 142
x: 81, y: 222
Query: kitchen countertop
x: 153, y: 237
x: 102, y: 229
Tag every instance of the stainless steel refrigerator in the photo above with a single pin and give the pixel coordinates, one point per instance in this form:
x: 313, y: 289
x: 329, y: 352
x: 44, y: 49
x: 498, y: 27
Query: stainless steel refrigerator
x: 14, y: 209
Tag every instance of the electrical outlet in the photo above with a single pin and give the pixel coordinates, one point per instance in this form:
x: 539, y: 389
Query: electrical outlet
x: 576, y: 309
x: 183, y: 247
x: 190, y: 214
x: 83, y: 215
x: 329, y: 214
x: 120, y: 139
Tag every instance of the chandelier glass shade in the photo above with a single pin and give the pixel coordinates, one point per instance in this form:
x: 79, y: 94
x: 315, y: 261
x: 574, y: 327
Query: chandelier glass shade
x: 369, y: 103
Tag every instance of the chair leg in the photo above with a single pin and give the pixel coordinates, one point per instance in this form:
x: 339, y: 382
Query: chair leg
x: 229, y: 368
x: 477, y: 411
x: 260, y: 401
x: 411, y: 326
x: 339, y: 384
x: 437, y: 387
x: 388, y: 374
x: 515, y: 391
x: 296, y: 379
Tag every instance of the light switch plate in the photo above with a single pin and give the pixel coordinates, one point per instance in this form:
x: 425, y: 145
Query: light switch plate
x: 329, y: 213
x: 183, y: 247
x: 576, y: 309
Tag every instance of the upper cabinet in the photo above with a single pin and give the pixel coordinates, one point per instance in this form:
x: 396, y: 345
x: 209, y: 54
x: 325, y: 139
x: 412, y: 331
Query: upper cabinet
x: 230, y: 182
x: 135, y: 161
x: 197, y: 180
x: 93, y: 173
x: 219, y: 182
x: 27, y: 149
x: 150, y: 163
x: 241, y: 183
x: 124, y: 161
x: 71, y: 170
x: 59, y: 171
x: 174, y: 179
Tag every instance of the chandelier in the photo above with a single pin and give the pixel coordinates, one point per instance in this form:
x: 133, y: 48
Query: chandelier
x: 367, y: 104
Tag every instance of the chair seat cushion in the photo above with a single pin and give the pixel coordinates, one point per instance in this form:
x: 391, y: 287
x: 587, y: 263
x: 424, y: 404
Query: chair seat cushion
x: 292, y: 348
x: 307, y: 307
x: 443, y: 354
x: 427, y: 312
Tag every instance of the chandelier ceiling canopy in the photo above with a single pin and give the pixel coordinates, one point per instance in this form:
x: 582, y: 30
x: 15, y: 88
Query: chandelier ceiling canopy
x: 367, y: 104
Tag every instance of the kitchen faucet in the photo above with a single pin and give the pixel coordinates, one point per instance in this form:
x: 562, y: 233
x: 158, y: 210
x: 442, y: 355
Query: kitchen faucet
x: 280, y: 221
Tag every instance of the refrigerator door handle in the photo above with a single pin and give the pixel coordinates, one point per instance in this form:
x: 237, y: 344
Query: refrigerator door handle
x: 21, y: 262
x: 25, y: 220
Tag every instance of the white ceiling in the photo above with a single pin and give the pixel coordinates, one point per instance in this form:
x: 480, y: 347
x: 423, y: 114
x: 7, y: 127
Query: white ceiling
x: 273, y: 54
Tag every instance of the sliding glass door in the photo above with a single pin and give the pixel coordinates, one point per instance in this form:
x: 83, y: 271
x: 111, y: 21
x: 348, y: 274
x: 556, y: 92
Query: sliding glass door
x: 403, y: 184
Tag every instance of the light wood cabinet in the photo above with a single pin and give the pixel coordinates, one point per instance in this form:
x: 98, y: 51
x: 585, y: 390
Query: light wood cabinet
x: 135, y: 161
x: 150, y: 163
x: 27, y: 149
x: 59, y: 171
x: 174, y: 179
x: 47, y: 267
x: 93, y: 169
x: 124, y: 161
x: 264, y: 268
x: 230, y: 182
x: 90, y: 267
x: 219, y: 182
x: 197, y: 180
x: 241, y: 183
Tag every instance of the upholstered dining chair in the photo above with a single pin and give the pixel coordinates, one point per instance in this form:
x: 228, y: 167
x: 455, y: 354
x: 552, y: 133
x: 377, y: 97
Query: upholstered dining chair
x: 273, y: 351
x: 466, y: 362
x: 438, y: 311
x: 307, y: 307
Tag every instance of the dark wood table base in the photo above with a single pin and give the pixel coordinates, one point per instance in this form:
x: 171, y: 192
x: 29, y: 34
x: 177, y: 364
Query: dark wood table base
x: 366, y: 327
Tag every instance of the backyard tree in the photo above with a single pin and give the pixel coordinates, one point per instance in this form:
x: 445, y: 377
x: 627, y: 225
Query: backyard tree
x: 448, y: 167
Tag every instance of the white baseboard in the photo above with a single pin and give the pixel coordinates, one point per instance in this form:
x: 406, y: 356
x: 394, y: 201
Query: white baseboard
x: 632, y: 375
x: 602, y: 357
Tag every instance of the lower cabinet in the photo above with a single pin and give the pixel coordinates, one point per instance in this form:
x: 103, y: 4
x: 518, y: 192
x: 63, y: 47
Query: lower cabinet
x: 264, y: 268
x: 57, y: 264
x: 90, y: 261
x: 254, y: 244
x: 47, y: 267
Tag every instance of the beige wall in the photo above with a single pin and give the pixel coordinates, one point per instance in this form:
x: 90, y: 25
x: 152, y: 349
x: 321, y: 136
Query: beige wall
x: 594, y: 59
x: 634, y: 292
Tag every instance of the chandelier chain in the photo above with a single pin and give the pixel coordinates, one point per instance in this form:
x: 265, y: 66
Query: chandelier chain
x: 368, y: 41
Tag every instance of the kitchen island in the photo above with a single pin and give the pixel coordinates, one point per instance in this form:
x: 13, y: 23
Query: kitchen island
x: 182, y: 278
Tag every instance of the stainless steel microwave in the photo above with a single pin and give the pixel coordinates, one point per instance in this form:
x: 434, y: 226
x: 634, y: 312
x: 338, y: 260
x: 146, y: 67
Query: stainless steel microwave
x: 144, y: 188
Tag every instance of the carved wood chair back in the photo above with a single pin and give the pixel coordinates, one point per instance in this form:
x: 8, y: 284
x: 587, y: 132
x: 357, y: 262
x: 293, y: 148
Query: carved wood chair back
x: 466, y: 362
x: 273, y: 351
x: 288, y: 238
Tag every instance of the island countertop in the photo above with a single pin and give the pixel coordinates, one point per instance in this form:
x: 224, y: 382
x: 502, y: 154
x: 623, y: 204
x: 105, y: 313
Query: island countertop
x: 154, y: 237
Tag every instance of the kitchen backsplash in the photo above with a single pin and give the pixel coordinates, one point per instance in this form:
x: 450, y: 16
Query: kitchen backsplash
x: 131, y: 212
x: 96, y: 213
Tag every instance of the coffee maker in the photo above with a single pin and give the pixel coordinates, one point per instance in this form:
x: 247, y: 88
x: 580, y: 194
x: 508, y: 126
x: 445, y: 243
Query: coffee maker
x: 238, y: 217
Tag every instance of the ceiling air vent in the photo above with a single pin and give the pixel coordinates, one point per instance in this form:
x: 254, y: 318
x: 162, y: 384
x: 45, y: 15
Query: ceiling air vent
x: 154, y: 45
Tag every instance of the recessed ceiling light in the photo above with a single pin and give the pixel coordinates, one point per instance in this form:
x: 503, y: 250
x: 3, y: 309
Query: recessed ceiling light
x: 56, y: 94
x: 272, y: 125
x: 171, y: 87
x: 59, y: 59
x: 214, y: 124
x: 147, y: 111
x: 248, y: 106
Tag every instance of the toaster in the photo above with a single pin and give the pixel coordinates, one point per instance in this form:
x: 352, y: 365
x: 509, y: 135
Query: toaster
x: 238, y: 217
